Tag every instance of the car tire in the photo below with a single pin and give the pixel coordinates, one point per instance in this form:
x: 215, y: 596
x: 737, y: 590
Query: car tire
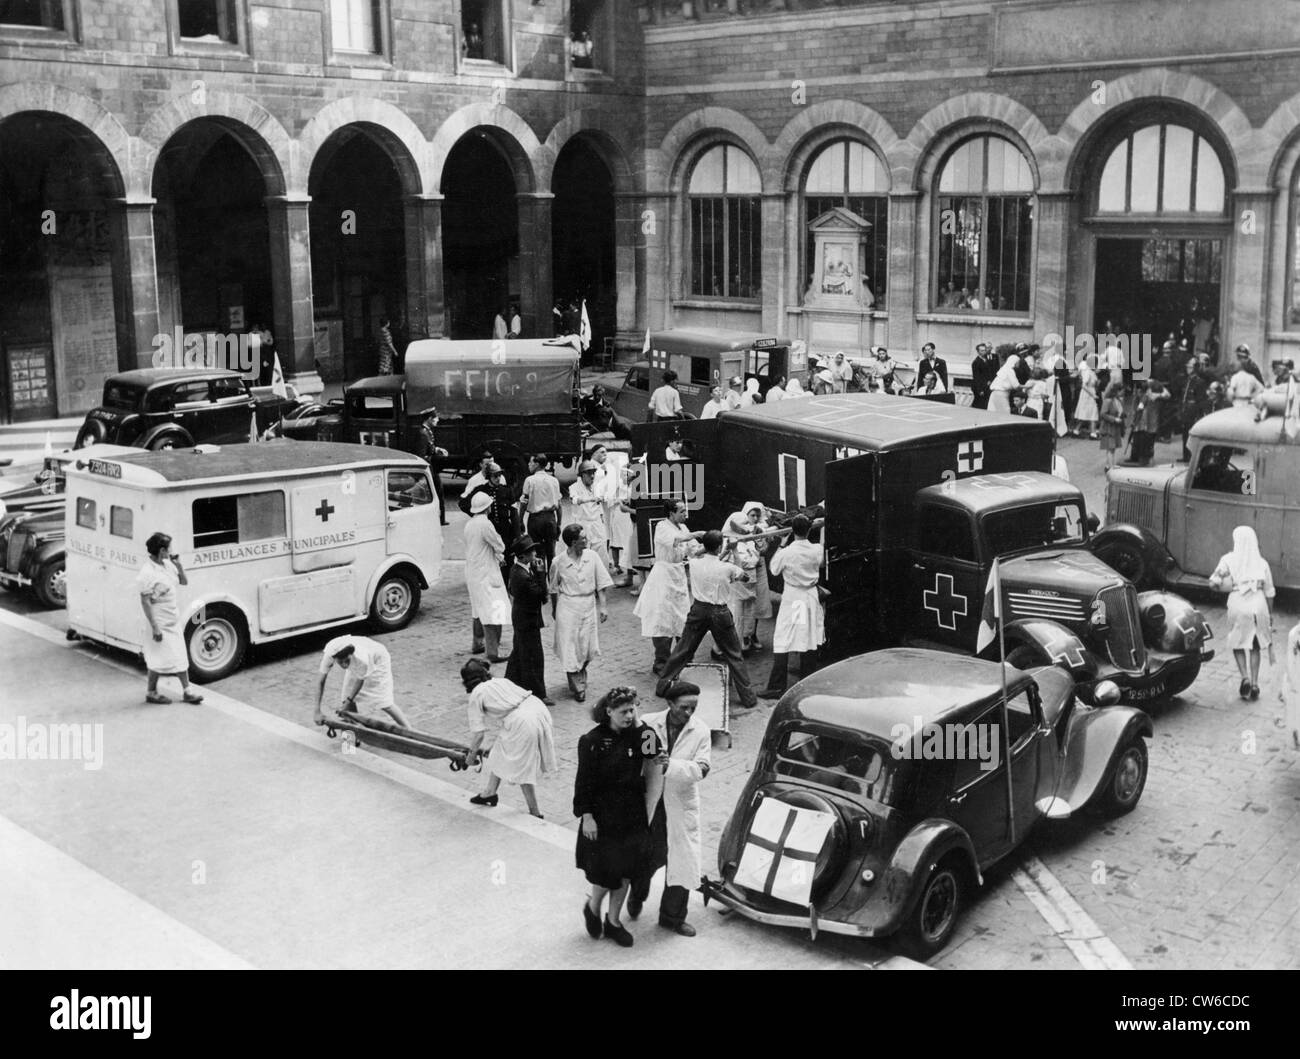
x: 168, y: 440
x: 51, y: 585
x: 397, y: 598
x: 93, y: 432
x: 1126, y: 780
x: 1127, y: 560
x: 938, y: 906
x: 216, y: 640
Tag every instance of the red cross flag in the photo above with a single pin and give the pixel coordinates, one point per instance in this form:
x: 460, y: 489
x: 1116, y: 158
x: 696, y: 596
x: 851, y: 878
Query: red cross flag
x: 780, y: 854
x: 584, y: 328
x: 991, y: 612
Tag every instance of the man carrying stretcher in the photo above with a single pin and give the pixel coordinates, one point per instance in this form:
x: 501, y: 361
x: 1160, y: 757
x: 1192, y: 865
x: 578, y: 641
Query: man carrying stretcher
x: 367, y: 678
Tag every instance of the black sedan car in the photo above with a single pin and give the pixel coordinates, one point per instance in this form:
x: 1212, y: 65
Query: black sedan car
x: 888, y: 783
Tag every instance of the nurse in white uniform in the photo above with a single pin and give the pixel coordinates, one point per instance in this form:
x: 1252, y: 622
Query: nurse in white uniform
x: 164, y: 647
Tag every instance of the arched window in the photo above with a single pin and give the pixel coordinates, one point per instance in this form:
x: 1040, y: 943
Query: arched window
x: 984, y: 228
x: 1162, y: 169
x: 849, y: 174
x: 726, y: 225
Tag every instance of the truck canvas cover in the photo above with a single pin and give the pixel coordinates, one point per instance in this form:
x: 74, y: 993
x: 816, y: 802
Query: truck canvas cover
x: 490, y: 377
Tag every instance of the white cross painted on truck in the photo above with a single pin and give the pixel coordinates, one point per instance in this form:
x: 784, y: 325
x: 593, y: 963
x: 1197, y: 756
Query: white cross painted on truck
x: 946, y: 604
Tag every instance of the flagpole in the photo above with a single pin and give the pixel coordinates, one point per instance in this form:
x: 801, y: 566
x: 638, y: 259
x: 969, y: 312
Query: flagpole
x: 1006, y: 734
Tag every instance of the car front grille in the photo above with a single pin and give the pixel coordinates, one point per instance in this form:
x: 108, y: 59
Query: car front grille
x: 1055, y: 608
x: 14, y: 548
x: 1124, y: 628
x: 1136, y: 507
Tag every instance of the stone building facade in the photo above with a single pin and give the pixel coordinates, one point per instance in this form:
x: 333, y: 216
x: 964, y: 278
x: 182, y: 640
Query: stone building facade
x: 313, y: 166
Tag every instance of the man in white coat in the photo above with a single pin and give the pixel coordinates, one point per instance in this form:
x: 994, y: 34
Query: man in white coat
x: 489, y: 605
x: 800, y: 623
x: 673, y: 806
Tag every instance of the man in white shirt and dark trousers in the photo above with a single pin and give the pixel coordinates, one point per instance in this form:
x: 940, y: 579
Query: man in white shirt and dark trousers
x: 800, y: 623
x: 540, y: 506
x: 711, y: 613
x: 666, y: 402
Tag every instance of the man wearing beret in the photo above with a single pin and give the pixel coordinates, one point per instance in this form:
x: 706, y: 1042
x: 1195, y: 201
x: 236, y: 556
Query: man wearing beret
x: 673, y: 806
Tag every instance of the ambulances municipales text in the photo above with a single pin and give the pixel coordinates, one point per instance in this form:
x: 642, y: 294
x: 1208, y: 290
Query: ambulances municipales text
x: 53, y: 742
x: 232, y: 352
x: 76, y: 1012
x: 926, y: 741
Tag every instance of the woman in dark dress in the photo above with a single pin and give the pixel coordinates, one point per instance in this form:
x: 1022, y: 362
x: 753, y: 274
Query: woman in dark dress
x: 609, y: 796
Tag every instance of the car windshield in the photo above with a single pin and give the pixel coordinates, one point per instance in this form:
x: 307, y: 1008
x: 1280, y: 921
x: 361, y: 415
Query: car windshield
x: 834, y: 761
x: 118, y: 395
x: 1034, y: 526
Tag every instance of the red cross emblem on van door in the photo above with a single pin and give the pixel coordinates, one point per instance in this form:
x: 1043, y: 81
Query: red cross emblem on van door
x: 946, y: 604
x: 325, y: 510
x: 970, y: 457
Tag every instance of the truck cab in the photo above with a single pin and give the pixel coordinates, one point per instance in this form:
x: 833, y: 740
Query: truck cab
x: 1180, y: 517
x: 704, y: 358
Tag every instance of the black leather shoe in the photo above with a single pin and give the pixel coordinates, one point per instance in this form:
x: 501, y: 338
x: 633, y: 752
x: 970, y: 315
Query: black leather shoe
x: 1244, y: 689
x: 592, y: 920
x: 618, y: 934
x: 1254, y: 692
x: 634, y: 907
x: 684, y: 929
x: 488, y: 800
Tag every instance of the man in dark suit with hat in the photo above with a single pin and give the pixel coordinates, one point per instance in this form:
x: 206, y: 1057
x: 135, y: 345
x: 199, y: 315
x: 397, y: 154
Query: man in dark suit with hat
x: 932, y: 362
x: 982, y: 370
x: 528, y: 591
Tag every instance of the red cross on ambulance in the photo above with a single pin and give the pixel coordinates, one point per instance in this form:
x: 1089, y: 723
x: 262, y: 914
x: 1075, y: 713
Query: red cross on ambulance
x: 946, y: 604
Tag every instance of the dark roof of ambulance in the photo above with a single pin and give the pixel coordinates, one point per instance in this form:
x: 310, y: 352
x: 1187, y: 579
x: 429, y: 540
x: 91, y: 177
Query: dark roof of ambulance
x: 710, y: 340
x: 878, y: 422
x: 268, y: 457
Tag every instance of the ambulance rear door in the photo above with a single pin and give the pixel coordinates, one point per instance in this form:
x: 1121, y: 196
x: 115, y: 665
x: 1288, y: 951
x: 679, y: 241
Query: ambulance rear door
x: 851, y: 572
x: 104, y: 551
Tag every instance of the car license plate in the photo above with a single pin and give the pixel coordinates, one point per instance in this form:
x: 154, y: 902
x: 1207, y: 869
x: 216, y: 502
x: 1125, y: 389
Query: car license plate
x: 105, y: 468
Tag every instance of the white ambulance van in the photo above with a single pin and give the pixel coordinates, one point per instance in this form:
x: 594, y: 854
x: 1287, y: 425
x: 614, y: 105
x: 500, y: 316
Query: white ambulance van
x: 277, y: 539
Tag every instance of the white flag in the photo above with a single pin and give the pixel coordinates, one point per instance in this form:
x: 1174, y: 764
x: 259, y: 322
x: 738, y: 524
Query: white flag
x: 277, y: 380
x: 252, y: 428
x: 584, y: 329
x: 991, y: 612
x: 781, y: 850
x: 645, y: 346
x: 1060, y: 417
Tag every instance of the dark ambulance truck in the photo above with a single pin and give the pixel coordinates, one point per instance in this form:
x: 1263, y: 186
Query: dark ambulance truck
x: 704, y: 358
x: 919, y: 498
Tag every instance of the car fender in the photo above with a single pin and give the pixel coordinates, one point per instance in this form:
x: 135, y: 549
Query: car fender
x: 923, y: 846
x: 1159, y: 560
x: 165, y: 428
x: 1092, y: 744
x: 47, y: 553
x: 1060, y: 644
x: 209, y: 599
x: 1171, y: 623
x: 409, y: 565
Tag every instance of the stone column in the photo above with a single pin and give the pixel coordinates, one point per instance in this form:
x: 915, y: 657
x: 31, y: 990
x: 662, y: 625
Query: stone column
x: 629, y: 270
x: 425, y: 304
x: 290, y: 238
x: 135, y: 282
x: 907, y: 286
x: 1247, y: 301
x: 651, y: 243
x: 535, y: 264
x: 1051, y: 282
x: 774, y: 260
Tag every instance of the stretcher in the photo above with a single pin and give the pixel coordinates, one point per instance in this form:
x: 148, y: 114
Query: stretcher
x: 385, y: 735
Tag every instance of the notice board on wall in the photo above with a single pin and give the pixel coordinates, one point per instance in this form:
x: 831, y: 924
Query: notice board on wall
x: 85, y: 334
x: 31, y: 381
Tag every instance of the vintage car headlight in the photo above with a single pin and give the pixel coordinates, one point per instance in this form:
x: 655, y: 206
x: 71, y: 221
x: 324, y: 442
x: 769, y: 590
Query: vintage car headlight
x: 1106, y: 693
x: 868, y: 876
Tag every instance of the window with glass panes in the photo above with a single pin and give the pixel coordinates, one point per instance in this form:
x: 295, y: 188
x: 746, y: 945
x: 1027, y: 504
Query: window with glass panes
x: 1162, y: 169
x: 212, y: 20
x: 849, y: 174
x: 725, y: 225
x: 354, y: 25
x: 984, y: 228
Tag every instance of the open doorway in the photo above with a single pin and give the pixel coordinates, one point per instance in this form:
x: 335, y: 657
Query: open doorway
x: 1165, y: 287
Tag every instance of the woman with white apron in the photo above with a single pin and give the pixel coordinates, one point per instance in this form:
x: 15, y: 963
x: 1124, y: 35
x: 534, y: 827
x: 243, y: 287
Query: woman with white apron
x: 1247, y: 578
x: 749, y: 520
x: 1004, y: 382
x: 589, y: 503
x: 622, y: 530
x: 163, y: 645
x: 666, y: 596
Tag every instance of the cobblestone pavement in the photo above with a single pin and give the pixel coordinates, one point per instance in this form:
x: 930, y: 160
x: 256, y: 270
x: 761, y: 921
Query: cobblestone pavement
x: 1205, y: 873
